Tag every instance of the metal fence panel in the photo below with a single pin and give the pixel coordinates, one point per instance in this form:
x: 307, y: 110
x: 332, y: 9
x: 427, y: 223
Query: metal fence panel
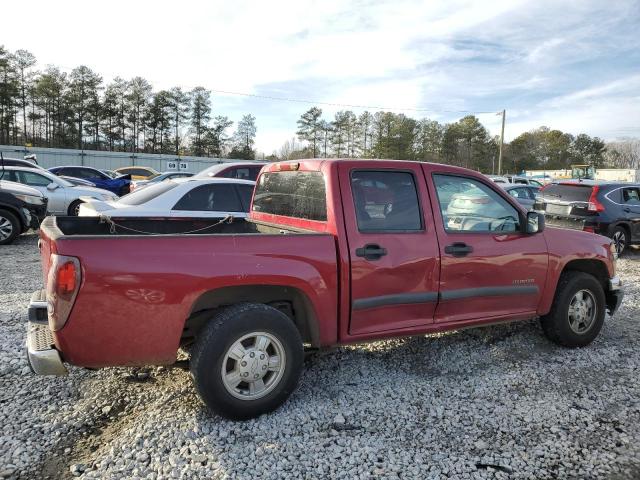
x: 53, y: 157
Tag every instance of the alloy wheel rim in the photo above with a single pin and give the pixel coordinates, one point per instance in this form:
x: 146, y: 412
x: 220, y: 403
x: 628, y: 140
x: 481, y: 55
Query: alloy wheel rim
x: 6, y: 228
x: 253, y: 365
x: 619, y: 241
x: 582, y: 311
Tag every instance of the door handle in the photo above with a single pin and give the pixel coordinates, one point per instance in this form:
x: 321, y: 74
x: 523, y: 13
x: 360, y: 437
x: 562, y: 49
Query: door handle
x: 626, y: 209
x: 371, y: 251
x: 458, y: 249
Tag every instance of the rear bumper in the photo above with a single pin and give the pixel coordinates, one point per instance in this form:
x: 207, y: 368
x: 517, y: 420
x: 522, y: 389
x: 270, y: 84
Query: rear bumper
x: 44, y: 358
x: 614, y: 294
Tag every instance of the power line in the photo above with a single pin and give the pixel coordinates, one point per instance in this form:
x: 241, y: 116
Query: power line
x: 332, y: 104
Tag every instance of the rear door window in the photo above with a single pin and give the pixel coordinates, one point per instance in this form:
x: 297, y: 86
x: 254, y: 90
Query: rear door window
x: 631, y: 195
x: 211, y: 198
x: 245, y: 191
x: 385, y: 201
x: 520, y: 193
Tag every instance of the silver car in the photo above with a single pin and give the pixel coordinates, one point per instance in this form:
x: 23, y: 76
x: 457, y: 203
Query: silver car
x: 64, y: 197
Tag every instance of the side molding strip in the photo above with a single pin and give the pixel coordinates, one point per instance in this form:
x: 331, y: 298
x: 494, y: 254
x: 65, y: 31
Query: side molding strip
x: 397, y: 299
x: 489, y: 292
x: 428, y: 297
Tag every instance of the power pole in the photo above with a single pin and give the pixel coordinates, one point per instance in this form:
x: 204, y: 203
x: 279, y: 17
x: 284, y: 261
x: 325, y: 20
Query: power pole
x: 501, y: 144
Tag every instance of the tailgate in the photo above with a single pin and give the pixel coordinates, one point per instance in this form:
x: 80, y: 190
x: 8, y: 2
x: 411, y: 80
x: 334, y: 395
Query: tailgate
x: 46, y: 247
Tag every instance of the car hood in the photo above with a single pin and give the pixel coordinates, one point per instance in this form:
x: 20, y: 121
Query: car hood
x: 13, y: 187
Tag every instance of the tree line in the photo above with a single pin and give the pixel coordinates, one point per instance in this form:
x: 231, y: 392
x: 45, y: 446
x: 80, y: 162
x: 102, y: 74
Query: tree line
x: 465, y: 143
x: 51, y: 108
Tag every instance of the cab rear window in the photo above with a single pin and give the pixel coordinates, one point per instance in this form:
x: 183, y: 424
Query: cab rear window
x: 292, y: 194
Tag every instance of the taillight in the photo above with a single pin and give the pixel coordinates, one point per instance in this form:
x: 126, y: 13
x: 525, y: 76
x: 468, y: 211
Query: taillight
x: 63, y: 283
x: 594, y: 203
x: 589, y: 229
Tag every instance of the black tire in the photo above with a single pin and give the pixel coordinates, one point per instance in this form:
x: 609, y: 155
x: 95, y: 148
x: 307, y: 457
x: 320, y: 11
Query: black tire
x: 620, y: 237
x: 73, y: 208
x: 215, y: 340
x: 10, y: 226
x: 557, y: 324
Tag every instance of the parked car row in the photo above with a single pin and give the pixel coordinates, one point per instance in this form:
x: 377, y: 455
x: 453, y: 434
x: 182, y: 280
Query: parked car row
x: 217, y: 192
x: 611, y: 209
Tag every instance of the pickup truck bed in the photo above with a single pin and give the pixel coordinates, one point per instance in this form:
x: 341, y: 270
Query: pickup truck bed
x: 143, y: 311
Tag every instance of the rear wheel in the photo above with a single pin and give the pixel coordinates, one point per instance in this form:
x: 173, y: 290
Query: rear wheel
x: 577, y: 313
x: 9, y: 227
x: 620, y: 239
x: 247, y: 360
x: 74, y: 208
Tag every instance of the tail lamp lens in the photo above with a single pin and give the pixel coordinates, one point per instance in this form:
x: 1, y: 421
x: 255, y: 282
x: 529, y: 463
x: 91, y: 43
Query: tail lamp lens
x: 63, y: 283
x: 594, y: 203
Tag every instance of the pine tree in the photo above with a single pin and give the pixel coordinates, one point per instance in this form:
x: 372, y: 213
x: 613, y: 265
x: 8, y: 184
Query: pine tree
x: 309, y: 128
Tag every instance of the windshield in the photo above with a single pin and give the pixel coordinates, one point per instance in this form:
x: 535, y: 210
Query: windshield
x: 142, y: 196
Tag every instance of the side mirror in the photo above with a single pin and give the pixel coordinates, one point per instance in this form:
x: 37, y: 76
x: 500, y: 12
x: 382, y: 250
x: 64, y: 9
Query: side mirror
x: 535, y: 222
x: 52, y: 186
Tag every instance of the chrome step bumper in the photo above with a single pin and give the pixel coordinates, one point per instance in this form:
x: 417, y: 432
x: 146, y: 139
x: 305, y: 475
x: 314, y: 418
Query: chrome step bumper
x: 44, y: 359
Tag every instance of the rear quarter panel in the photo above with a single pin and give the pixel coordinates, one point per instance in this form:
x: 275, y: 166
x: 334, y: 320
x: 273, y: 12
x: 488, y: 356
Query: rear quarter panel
x: 137, y: 292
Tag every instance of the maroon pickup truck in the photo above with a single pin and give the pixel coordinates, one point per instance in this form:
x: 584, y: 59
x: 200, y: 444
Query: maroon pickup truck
x: 334, y: 252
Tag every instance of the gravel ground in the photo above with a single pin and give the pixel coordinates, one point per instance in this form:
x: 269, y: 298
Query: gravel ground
x: 497, y: 402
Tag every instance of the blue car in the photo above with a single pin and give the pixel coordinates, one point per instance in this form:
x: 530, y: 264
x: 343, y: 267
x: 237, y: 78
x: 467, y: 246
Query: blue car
x: 120, y: 185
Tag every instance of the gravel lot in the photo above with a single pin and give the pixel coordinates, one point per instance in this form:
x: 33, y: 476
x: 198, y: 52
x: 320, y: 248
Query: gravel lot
x: 496, y: 402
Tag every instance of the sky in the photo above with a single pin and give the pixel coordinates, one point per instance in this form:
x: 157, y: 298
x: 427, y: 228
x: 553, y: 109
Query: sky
x: 571, y: 65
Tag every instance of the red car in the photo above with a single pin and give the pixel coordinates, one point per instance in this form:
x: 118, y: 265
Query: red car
x: 324, y: 259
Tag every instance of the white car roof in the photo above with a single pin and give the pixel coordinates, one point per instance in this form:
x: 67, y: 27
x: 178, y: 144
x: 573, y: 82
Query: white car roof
x: 213, y: 180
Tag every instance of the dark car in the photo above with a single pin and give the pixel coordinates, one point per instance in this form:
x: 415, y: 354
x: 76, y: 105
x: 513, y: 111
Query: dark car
x: 527, y: 195
x: 17, y: 162
x: 611, y: 209
x: 21, y: 208
x: 120, y: 185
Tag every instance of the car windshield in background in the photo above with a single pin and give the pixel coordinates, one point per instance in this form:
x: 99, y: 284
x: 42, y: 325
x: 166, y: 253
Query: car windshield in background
x: 567, y: 192
x: 292, y: 194
x: 142, y: 196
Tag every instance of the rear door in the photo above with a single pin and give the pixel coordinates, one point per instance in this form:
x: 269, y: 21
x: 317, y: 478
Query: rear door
x: 489, y: 268
x: 393, y: 248
x: 631, y: 208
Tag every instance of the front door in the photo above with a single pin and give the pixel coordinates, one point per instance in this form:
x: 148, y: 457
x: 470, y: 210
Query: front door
x: 631, y: 209
x: 392, y: 247
x: 490, y: 268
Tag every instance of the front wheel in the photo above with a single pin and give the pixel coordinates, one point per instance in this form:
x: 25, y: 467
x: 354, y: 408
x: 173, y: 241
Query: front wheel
x: 9, y: 227
x: 577, y: 313
x: 74, y: 208
x: 247, y: 360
